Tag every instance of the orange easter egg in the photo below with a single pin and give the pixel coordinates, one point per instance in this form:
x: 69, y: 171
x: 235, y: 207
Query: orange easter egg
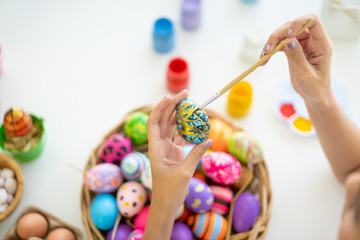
x: 17, y: 122
x: 220, y: 133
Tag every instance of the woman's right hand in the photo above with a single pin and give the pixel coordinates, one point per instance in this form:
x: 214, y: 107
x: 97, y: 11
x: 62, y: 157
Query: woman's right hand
x: 309, y: 58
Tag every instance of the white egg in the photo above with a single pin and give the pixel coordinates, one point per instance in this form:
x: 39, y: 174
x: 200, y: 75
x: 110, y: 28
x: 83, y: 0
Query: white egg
x: 10, y: 185
x: 180, y: 211
x: 3, y: 207
x: 7, y: 173
x: 2, y: 182
x: 3, y: 196
x: 10, y: 198
x: 146, y: 179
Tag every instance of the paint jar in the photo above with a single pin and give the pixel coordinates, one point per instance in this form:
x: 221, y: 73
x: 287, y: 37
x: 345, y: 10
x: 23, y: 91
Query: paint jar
x: 250, y: 1
x: 190, y: 14
x: 239, y: 100
x: 177, y: 75
x: 254, y: 41
x: 163, y: 35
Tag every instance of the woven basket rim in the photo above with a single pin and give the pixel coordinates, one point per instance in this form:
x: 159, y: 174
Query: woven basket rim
x: 260, y: 169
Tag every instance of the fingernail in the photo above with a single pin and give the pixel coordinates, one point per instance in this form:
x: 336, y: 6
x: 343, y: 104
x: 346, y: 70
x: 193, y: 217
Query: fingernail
x: 292, y: 44
x: 267, y: 47
x: 289, y: 32
x: 208, y: 143
x: 262, y: 53
x: 164, y: 97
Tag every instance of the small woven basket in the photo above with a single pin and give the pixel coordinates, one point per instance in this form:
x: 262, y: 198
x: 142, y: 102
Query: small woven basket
x: 254, y: 179
x: 8, y: 162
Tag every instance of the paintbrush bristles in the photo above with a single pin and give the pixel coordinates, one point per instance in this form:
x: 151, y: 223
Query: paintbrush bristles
x: 262, y: 60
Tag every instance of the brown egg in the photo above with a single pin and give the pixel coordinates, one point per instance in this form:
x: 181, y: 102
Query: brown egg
x: 61, y: 234
x: 32, y: 225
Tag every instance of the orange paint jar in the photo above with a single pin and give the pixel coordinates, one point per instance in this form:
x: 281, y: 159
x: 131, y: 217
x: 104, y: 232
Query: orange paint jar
x: 239, y: 100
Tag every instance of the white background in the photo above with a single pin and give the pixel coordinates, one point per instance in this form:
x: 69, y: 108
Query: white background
x: 82, y: 65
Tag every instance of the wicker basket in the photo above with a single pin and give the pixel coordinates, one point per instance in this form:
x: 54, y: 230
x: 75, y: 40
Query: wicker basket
x: 254, y: 179
x: 8, y: 162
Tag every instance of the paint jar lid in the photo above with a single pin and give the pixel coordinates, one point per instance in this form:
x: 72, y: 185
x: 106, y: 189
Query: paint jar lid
x: 191, y: 14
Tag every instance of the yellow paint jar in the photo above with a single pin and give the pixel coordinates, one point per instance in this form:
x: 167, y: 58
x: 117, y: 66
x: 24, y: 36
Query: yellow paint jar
x: 239, y: 99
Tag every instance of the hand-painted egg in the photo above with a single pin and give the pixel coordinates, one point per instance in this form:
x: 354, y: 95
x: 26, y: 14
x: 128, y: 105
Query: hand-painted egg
x: 131, y: 198
x: 200, y: 197
x: 115, y: 148
x: 220, y: 133
x: 199, y: 176
x: 141, y: 218
x: 103, y: 211
x: 122, y: 232
x: 181, y: 232
x: 17, y: 122
x: 245, y: 148
x: 137, y: 234
x: 192, y: 122
x: 104, y: 178
x: 146, y: 178
x: 135, y: 127
x: 246, y: 211
x: 223, y: 197
x: 209, y: 225
x: 133, y: 164
x: 187, y: 150
x: 185, y: 215
x: 221, y: 167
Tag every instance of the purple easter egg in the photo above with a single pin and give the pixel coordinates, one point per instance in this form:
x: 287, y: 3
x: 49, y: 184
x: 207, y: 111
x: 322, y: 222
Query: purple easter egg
x: 115, y: 148
x: 122, y: 232
x: 246, y: 211
x: 181, y: 232
x: 104, y: 178
x: 200, y: 198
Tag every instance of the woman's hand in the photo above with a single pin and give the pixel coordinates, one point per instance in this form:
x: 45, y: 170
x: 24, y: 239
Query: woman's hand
x: 309, y: 58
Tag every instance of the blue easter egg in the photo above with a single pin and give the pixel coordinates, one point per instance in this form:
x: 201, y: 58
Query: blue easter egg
x: 103, y: 211
x: 187, y: 150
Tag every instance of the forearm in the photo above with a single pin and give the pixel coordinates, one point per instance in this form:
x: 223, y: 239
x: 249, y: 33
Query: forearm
x: 338, y: 135
x: 160, y: 222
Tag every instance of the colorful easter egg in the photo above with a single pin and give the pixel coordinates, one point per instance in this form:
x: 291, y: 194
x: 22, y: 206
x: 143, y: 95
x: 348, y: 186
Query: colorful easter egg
x: 181, y: 232
x: 135, y: 127
x: 103, y: 211
x: 223, y: 197
x: 115, y: 148
x: 192, y: 122
x: 146, y: 178
x: 17, y: 122
x: 199, y: 176
x: 246, y: 211
x: 209, y: 226
x: 141, y: 218
x: 137, y: 234
x: 220, y: 133
x: 104, y: 178
x: 200, y: 197
x: 245, y: 148
x: 133, y: 164
x: 185, y: 215
x: 221, y: 167
x: 180, y: 211
x: 131, y: 198
x: 122, y: 232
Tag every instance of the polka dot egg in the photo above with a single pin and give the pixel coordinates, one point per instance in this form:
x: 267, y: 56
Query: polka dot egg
x: 192, y: 122
x: 200, y: 197
x: 135, y: 127
x: 131, y: 198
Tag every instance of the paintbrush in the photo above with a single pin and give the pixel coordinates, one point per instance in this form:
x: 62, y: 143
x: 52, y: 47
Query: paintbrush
x: 253, y: 67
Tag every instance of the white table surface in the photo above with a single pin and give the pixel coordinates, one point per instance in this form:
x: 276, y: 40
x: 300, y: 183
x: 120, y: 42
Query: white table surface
x: 82, y: 65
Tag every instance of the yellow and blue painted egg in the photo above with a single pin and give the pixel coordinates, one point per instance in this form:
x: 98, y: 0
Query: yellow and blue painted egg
x: 245, y: 148
x: 17, y: 122
x: 208, y: 225
x: 192, y: 122
x: 200, y: 197
x: 104, y: 178
x: 135, y: 127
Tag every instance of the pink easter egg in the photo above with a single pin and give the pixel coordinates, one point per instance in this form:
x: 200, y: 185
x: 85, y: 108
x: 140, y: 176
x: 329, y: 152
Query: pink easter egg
x: 141, y: 219
x: 137, y: 234
x: 131, y: 198
x: 115, y: 148
x: 221, y: 167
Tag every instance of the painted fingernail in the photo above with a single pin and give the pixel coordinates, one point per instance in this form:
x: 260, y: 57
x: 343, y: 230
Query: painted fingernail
x: 292, y: 44
x: 262, y: 53
x: 208, y: 143
x: 164, y: 97
x: 267, y: 47
x: 289, y: 32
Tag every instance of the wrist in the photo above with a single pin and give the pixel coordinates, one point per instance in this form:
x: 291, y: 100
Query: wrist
x: 321, y: 102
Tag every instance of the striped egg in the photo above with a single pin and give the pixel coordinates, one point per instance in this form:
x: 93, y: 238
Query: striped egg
x: 209, y: 225
x: 223, y: 197
x: 192, y: 122
x: 17, y: 122
x: 104, y: 178
x: 133, y: 164
x: 200, y: 197
x: 221, y: 167
x: 245, y: 148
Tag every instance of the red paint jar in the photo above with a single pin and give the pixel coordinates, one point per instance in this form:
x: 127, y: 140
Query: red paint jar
x: 177, y: 76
